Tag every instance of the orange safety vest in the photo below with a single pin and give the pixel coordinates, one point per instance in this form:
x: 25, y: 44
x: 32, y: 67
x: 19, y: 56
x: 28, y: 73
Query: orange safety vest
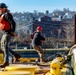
x: 4, y: 25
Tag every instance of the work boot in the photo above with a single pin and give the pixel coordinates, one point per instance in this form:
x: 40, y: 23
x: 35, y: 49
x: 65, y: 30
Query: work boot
x: 5, y: 64
x: 17, y: 57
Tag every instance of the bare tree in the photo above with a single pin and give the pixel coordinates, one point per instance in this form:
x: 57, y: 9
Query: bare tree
x: 69, y: 31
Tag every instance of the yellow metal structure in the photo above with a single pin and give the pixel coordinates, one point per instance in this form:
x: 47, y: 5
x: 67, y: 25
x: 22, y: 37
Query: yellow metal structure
x: 27, y: 59
x: 21, y: 67
x: 55, y: 66
x: 15, y: 73
x: 1, y: 57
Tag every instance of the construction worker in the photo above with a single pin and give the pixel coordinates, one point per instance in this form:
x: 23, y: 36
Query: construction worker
x: 37, y: 39
x: 7, y: 25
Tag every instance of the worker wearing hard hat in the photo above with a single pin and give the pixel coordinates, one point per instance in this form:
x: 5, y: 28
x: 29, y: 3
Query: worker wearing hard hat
x: 37, y: 41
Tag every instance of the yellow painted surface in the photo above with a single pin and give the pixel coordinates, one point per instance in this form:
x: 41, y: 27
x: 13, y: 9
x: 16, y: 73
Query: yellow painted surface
x: 48, y: 73
x: 62, y: 71
x: 27, y: 59
x: 15, y: 73
x: 55, y: 67
x: 1, y: 58
x: 21, y: 67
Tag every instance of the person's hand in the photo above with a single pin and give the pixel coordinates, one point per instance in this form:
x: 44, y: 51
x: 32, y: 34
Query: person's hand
x: 13, y: 34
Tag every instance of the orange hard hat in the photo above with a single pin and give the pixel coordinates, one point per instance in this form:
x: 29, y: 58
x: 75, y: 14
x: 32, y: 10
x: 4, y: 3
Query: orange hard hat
x: 39, y: 28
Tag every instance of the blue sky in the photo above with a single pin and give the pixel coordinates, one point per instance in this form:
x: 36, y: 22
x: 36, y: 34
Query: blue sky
x: 39, y: 5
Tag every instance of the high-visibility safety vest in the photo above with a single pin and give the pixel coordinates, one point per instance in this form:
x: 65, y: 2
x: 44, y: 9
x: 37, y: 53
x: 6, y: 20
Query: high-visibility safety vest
x: 4, y: 25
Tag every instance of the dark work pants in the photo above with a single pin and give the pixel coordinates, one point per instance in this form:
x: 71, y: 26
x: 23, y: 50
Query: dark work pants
x: 40, y: 52
x: 5, y: 41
